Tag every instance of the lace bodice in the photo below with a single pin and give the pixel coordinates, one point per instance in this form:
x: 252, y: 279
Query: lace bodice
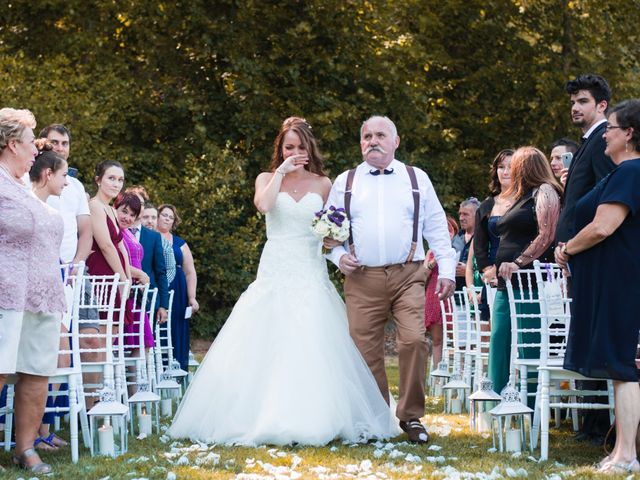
x: 30, y: 237
x: 292, y: 252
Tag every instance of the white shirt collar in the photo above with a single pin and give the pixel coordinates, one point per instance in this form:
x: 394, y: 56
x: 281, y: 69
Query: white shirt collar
x: 593, y: 127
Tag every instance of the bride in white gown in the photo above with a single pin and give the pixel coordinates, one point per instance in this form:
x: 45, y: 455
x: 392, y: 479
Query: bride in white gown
x: 284, y: 369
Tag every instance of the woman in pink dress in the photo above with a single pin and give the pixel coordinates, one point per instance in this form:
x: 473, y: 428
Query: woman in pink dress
x: 432, y: 313
x: 128, y: 208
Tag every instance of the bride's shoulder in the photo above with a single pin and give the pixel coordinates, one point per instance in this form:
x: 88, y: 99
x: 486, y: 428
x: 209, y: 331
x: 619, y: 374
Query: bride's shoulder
x: 322, y: 185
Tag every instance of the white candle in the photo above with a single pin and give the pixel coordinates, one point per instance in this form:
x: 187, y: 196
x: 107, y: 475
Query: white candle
x: 514, y: 443
x: 144, y: 423
x: 166, y: 409
x: 105, y: 440
x: 484, y: 422
x: 456, y: 405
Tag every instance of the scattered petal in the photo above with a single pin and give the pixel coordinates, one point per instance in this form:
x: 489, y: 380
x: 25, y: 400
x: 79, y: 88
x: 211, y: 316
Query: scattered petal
x: 435, y: 447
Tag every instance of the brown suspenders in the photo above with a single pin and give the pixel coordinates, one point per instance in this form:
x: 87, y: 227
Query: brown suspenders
x: 416, y: 208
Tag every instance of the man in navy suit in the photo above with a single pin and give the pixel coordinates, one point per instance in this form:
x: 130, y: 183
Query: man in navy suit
x: 590, y: 96
x: 153, y: 264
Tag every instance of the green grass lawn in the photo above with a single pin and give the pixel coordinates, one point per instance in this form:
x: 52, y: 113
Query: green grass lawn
x: 460, y: 451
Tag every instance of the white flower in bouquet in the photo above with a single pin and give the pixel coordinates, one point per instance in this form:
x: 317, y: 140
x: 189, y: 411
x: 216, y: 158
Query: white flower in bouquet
x: 332, y: 223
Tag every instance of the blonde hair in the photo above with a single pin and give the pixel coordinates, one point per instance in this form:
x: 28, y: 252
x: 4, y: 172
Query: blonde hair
x: 530, y: 169
x: 13, y: 123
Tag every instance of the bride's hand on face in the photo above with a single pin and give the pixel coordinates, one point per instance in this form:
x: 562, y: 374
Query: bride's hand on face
x: 293, y: 163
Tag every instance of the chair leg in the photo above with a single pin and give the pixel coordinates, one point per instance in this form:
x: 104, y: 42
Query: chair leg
x: 535, y: 428
x: 544, y: 415
x: 8, y: 418
x: 73, y: 419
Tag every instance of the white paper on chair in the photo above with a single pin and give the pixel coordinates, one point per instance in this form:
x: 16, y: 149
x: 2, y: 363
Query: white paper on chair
x: 68, y: 296
x: 553, y: 295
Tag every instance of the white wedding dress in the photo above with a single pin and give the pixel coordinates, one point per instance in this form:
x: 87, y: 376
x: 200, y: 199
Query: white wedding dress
x: 284, y: 369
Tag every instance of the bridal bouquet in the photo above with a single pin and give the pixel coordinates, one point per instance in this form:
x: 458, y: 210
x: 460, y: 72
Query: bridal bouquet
x: 332, y: 223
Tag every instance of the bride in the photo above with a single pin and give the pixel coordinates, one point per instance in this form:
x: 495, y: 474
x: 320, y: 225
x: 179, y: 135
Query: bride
x: 284, y: 369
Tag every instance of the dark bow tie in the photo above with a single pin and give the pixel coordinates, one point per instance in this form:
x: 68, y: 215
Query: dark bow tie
x: 134, y: 230
x: 375, y: 173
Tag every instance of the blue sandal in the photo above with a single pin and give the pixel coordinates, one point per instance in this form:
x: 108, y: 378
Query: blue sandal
x: 55, y: 440
x: 45, y: 443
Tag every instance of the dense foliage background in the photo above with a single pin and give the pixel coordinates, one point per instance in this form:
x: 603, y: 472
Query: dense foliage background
x: 189, y: 95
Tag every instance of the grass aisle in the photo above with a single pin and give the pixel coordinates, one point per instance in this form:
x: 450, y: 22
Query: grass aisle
x: 453, y: 452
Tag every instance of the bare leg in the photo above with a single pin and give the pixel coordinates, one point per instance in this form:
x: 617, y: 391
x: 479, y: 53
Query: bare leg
x: 627, y: 410
x: 436, y: 344
x: 31, y: 396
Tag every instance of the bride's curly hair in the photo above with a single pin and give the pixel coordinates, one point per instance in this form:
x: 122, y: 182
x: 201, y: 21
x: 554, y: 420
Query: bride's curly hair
x: 302, y: 128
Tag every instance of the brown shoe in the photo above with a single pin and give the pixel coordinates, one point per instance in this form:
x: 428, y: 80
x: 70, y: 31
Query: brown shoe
x: 415, y: 430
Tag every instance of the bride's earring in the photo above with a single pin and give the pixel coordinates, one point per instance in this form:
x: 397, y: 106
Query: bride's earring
x: 626, y: 147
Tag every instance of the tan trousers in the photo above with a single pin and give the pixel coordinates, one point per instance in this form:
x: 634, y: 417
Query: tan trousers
x: 372, y: 293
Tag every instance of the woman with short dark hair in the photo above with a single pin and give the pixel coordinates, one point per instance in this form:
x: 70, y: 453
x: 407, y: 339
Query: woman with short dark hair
x: 605, y: 265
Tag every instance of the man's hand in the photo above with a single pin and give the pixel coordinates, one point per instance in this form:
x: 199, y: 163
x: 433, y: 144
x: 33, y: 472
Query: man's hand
x: 445, y: 288
x: 507, y: 269
x: 564, y: 173
x: 330, y: 243
x: 461, y: 269
x: 489, y: 275
x: 161, y: 315
x: 348, y: 263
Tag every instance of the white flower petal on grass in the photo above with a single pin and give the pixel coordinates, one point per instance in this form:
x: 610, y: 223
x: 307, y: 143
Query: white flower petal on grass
x: 492, y: 450
x: 183, y: 460
x: 210, y: 459
x: 171, y: 476
x: 319, y: 470
x: 485, y: 435
x: 396, y: 454
x: 438, y: 459
x: 164, y: 439
x: 333, y: 449
x: 412, y: 458
x: 553, y: 476
x: 295, y: 461
x: 281, y: 454
x: 377, y: 453
x: 516, y: 454
x: 435, y: 448
x: 365, y: 465
x: 142, y: 436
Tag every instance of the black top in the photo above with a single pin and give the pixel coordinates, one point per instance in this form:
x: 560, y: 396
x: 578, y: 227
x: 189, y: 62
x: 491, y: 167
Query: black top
x: 588, y: 167
x: 518, y: 227
x: 605, y: 318
x: 481, y: 234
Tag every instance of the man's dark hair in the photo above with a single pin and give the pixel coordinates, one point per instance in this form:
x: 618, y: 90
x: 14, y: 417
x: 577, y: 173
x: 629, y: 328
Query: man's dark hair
x: 58, y: 127
x: 595, y: 84
x: 566, y: 142
x: 149, y: 205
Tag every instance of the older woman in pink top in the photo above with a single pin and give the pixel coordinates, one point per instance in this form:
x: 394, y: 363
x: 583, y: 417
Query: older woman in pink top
x: 31, y: 290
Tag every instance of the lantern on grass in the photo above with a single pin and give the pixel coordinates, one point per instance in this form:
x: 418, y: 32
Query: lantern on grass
x: 479, y: 404
x: 178, y: 374
x: 510, y: 420
x: 168, y: 389
x: 193, y: 366
x: 108, y: 425
x: 438, y: 377
x: 142, y: 405
x: 455, y: 392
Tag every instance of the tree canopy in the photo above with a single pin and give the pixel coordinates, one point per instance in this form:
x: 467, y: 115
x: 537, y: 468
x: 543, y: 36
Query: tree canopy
x: 189, y: 95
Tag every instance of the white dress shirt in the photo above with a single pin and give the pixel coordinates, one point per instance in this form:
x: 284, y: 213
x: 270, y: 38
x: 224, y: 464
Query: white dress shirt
x: 382, y: 218
x: 71, y: 204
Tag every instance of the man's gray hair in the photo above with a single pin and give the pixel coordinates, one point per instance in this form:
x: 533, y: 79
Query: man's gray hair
x: 470, y: 202
x: 392, y: 125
